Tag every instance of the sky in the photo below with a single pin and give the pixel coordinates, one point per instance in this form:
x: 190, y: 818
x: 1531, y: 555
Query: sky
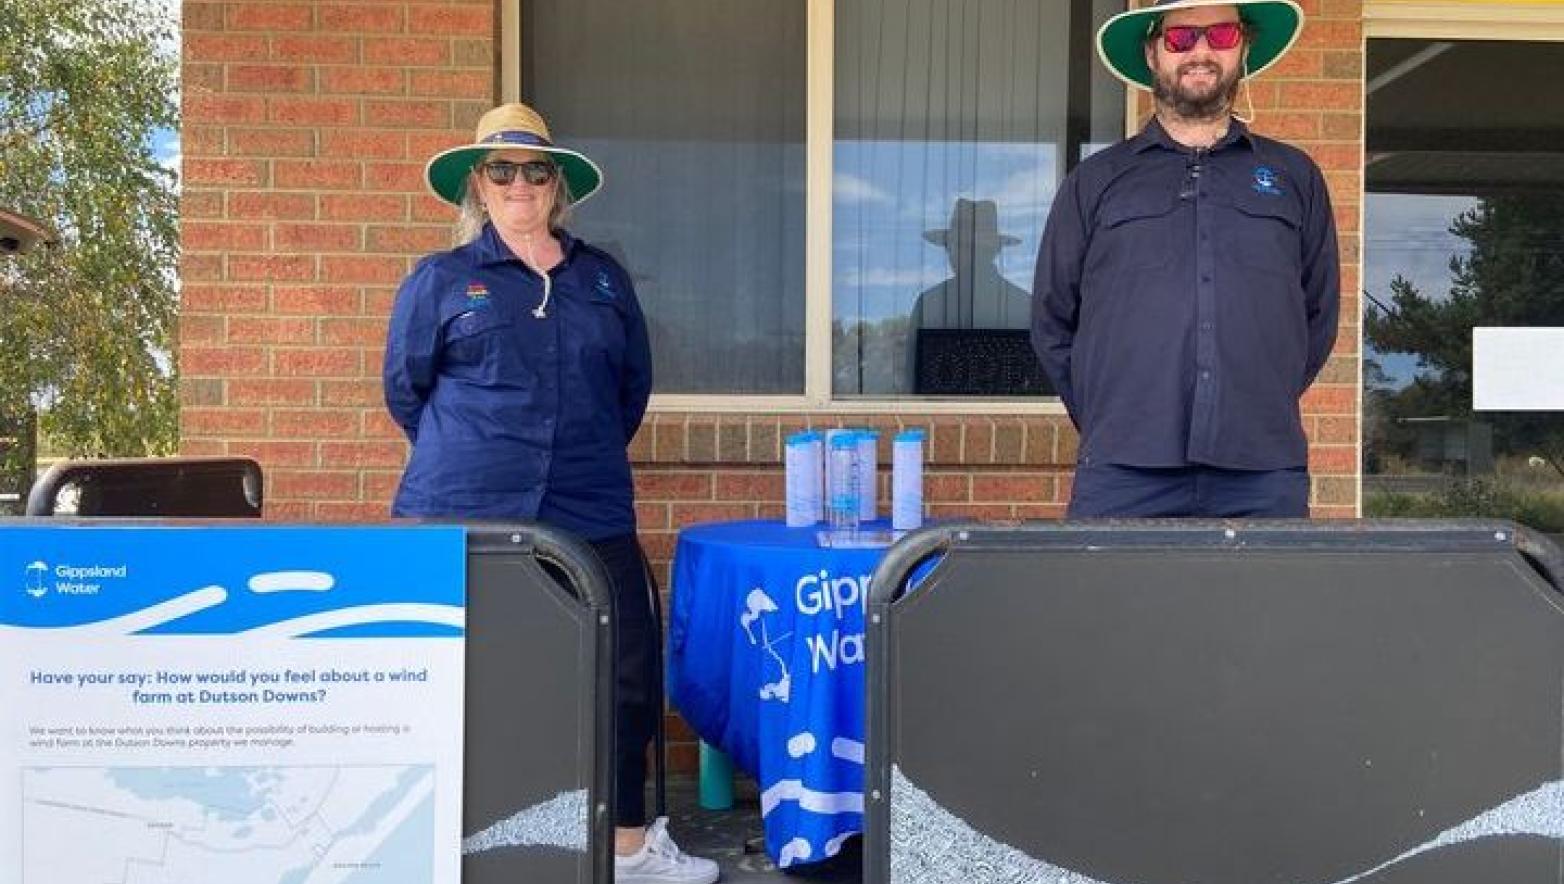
x: 165, y: 142
x: 1408, y: 235
x: 165, y: 147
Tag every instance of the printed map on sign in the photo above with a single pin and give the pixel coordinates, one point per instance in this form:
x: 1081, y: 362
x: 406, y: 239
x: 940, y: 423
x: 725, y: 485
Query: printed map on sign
x: 237, y: 825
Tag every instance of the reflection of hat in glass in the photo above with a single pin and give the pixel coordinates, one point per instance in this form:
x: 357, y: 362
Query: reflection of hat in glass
x: 506, y: 127
x: 972, y: 222
x: 1273, y: 26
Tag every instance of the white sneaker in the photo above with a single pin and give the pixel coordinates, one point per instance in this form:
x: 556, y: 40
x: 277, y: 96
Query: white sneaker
x: 659, y: 861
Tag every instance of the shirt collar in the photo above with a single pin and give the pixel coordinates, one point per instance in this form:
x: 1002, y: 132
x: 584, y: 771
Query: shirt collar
x: 1153, y: 135
x: 490, y: 249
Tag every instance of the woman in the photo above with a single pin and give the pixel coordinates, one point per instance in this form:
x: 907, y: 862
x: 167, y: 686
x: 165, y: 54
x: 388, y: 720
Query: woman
x: 518, y: 365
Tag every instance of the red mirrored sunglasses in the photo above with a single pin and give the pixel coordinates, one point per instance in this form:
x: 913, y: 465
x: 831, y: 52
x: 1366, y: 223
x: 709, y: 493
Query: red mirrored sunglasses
x: 1220, y: 36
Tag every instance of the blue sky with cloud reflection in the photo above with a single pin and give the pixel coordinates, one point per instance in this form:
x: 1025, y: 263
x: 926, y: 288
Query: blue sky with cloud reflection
x: 887, y: 194
x: 1408, y: 235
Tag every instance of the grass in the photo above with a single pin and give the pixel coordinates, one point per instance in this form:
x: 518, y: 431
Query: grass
x: 1474, y: 499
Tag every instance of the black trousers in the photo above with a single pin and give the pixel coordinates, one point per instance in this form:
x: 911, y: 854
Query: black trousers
x: 635, y: 675
x: 1110, y: 490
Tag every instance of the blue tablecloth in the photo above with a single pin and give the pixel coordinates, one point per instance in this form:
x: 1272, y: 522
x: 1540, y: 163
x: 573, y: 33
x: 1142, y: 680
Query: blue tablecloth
x: 766, y: 662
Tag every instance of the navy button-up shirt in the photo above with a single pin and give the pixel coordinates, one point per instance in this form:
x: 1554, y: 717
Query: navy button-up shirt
x: 512, y: 415
x: 1185, y: 299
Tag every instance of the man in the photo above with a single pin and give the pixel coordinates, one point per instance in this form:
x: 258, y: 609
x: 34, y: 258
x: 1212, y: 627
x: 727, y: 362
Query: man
x: 1187, y: 287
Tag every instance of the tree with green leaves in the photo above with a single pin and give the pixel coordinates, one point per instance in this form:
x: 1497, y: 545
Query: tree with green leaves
x: 86, y: 326
x: 1512, y: 276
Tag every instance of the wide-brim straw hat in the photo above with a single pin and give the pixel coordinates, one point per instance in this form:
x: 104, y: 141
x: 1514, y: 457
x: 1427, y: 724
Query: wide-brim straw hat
x: 509, y: 127
x: 1274, y: 26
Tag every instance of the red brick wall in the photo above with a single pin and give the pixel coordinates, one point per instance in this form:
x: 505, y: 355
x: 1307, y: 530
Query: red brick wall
x: 1314, y: 98
x: 306, y: 126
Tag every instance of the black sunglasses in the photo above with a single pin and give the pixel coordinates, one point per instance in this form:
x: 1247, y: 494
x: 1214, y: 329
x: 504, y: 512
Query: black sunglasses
x: 533, y: 171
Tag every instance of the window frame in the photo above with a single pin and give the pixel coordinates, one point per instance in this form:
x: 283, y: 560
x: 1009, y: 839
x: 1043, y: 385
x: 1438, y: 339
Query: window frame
x: 817, y: 397
x: 1530, y: 21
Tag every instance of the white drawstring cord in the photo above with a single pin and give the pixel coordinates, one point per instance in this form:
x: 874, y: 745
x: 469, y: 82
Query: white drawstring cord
x: 1248, y: 95
x: 540, y: 311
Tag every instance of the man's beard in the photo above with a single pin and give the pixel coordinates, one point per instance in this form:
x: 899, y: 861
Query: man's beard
x: 1192, y: 105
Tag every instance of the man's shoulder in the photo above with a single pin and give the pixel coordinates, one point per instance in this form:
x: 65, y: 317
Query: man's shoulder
x: 1109, y: 161
x: 1096, y: 173
x: 1282, y: 153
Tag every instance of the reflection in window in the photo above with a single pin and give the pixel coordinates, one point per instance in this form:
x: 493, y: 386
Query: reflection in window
x: 955, y: 122
x: 1464, y: 227
x: 695, y: 110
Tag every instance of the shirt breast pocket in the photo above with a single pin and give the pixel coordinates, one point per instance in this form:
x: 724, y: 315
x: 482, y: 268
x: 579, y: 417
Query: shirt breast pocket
x: 477, y: 338
x: 1265, y: 234
x: 1136, y: 232
x: 604, y: 334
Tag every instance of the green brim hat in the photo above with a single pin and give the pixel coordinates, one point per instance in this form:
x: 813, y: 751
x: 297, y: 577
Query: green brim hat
x: 1274, y: 26
x: 509, y: 127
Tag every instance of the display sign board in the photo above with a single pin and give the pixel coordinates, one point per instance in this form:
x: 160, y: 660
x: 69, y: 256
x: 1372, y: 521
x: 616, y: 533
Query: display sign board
x: 257, y: 704
x: 1224, y: 703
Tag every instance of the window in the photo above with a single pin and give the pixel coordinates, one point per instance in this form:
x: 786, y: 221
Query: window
x: 694, y: 109
x: 949, y: 123
x: 1464, y: 228
x: 955, y: 121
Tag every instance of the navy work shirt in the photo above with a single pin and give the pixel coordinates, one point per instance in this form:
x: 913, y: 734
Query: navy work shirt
x: 1186, y: 298
x: 510, y: 415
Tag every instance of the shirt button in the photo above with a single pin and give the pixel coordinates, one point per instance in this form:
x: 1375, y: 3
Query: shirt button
x: 1206, y: 278
x: 1205, y: 375
x: 1205, y: 326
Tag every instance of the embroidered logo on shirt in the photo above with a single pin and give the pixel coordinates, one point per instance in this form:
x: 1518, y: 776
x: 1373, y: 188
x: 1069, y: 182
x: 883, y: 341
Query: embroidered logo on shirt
x: 604, y: 285
x: 1267, y: 181
x: 477, y: 295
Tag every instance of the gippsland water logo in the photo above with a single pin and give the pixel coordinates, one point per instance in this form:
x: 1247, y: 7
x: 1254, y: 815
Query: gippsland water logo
x: 35, y: 585
x: 41, y: 577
